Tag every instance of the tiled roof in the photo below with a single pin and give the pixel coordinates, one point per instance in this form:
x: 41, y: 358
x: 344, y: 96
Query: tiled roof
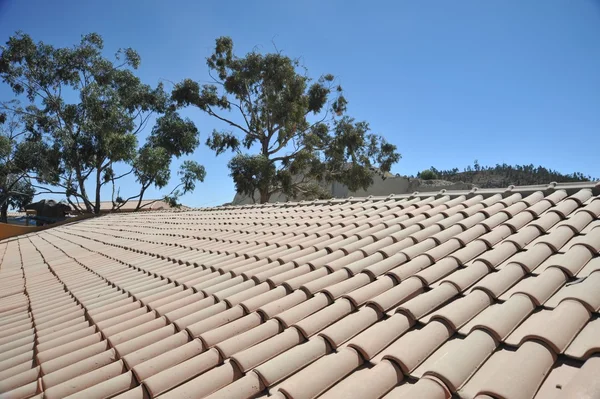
x: 487, y: 294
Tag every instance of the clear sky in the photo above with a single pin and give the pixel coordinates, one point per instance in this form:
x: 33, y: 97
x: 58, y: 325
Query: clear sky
x: 448, y: 82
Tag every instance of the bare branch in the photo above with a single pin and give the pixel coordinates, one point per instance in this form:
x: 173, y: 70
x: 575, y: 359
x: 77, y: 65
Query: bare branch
x: 211, y: 112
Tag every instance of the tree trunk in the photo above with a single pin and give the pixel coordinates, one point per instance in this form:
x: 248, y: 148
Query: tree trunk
x: 264, y: 196
x: 84, y: 196
x: 4, y: 213
x: 98, y: 187
x: 139, y: 204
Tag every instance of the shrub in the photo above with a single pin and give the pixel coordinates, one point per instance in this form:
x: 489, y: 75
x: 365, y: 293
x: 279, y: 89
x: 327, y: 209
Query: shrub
x: 428, y: 174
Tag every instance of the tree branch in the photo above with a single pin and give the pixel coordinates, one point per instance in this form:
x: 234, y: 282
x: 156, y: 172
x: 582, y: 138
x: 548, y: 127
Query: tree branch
x: 211, y: 112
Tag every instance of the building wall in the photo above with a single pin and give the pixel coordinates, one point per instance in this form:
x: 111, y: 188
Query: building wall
x: 387, y: 186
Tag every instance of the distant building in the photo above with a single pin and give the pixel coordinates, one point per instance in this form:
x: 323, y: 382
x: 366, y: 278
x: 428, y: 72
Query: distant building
x: 382, y: 186
x: 147, y: 205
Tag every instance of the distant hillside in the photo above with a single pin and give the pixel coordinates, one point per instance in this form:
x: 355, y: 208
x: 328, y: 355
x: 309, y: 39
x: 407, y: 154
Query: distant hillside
x: 502, y: 175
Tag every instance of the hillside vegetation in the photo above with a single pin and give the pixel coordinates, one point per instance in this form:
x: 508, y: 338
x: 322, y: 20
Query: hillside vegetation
x: 502, y: 175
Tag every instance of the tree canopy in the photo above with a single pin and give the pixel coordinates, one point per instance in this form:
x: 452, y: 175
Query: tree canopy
x: 86, y: 112
x: 16, y: 156
x: 504, y: 175
x: 289, y: 132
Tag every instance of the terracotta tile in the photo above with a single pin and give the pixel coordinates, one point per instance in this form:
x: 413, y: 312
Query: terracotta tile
x: 16, y: 355
x: 472, y: 250
x: 457, y: 360
x: 209, y: 280
x: 584, y: 384
x: 459, y: 312
x: 443, y: 249
x: 319, y: 284
x: 546, y: 221
x: 24, y: 378
x: 564, y: 208
x: 156, y: 349
x: 397, y: 295
x: 146, y: 339
x: 252, y: 304
x: 84, y: 381
x: 521, y: 373
x: 207, y: 383
x: 401, y: 272
x: 292, y: 360
x: 571, y: 262
x: 252, y: 292
x: 578, y: 221
x: 167, y: 360
x: 267, y: 349
x: 134, y: 322
x: 113, y: 313
x: 323, y: 318
x: 232, y: 329
x: 53, y: 377
x: 586, y: 342
x: 592, y: 240
x: 427, y: 388
x: 559, y: 377
x: 272, y: 270
x: 379, y: 266
x: 373, y: 241
x: 367, y: 383
x: 292, y: 274
x: 176, y: 375
x: 18, y: 369
x: 293, y: 315
x: 114, y: 386
x: 495, y: 284
x: 584, y: 291
x: 349, y: 326
x: 249, y: 338
x: 303, y: 279
x: 183, y: 322
x: 17, y: 340
x: 360, y: 295
x: 74, y: 345
x: 323, y: 374
x: 415, y: 346
x: 247, y: 387
x: 185, y: 306
x: 26, y: 391
x: 77, y: 313
x: 539, y: 288
x: 398, y: 246
x: 336, y: 290
x: 501, y: 319
x: 568, y: 319
x: 100, y: 349
x: 438, y: 271
x: 428, y: 301
x: 465, y: 278
x: 219, y: 286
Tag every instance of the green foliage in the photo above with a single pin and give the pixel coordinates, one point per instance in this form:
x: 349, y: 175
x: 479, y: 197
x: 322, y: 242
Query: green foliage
x: 503, y: 175
x: 84, y: 139
x: 191, y: 172
x: 288, y: 122
x: 252, y: 173
x: 428, y: 174
x: 15, y: 187
x: 176, y: 135
x: 152, y: 165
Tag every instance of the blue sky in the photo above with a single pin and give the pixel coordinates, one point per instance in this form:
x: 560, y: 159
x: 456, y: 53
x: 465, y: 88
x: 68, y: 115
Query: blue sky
x: 448, y: 82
